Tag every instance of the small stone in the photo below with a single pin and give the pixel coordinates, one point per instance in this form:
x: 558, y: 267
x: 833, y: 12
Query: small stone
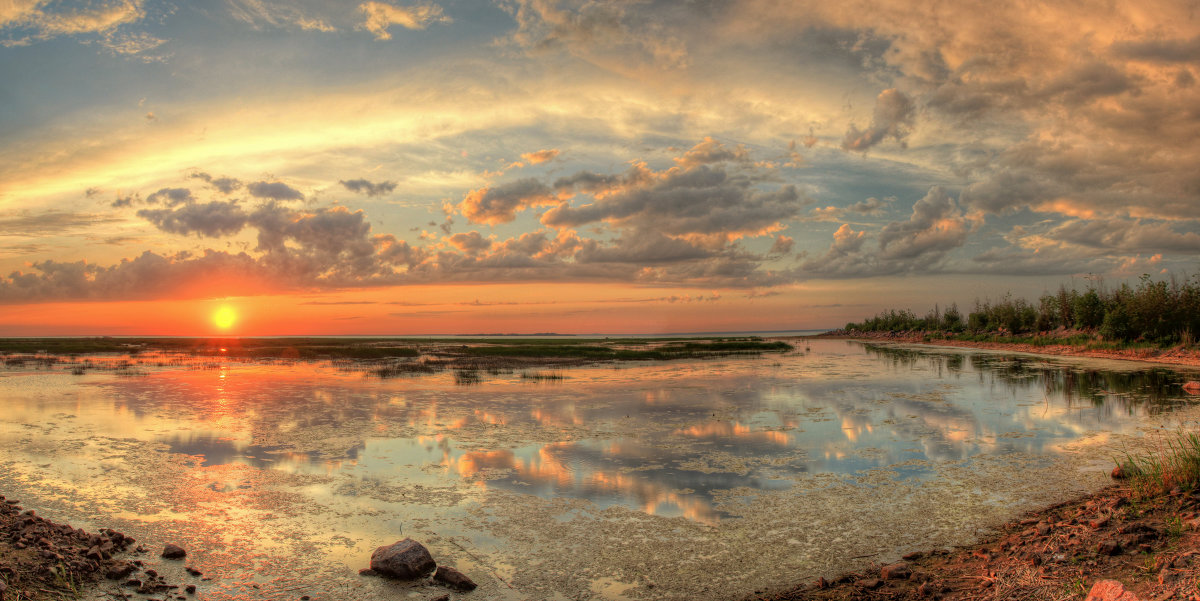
x: 191, y: 589
x: 404, y: 560
x: 1043, y: 528
x: 453, y: 579
x: 895, y: 571
x: 305, y: 598
x: 173, y: 551
x: 119, y: 571
x: 915, y: 555
x: 1108, y: 547
x: 441, y: 598
x: 193, y: 571
x: 869, y: 583
x: 1110, y: 590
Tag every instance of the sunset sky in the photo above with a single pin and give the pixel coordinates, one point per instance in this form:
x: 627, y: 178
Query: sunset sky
x: 596, y: 166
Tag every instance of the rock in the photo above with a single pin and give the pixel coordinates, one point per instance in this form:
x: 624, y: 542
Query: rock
x: 119, y: 571
x: 1098, y: 523
x: 895, y: 571
x: 1192, y: 386
x: 404, y: 560
x: 1110, y: 590
x: 869, y: 583
x: 193, y: 571
x: 1119, y: 473
x: 191, y: 589
x: 1108, y: 547
x: 441, y: 598
x: 1043, y: 528
x: 912, y: 556
x: 173, y: 551
x: 453, y: 578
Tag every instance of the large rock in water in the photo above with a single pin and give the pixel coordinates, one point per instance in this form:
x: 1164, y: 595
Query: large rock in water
x: 405, y: 560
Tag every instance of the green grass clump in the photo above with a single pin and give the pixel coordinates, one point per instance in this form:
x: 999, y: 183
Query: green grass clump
x: 1176, y: 464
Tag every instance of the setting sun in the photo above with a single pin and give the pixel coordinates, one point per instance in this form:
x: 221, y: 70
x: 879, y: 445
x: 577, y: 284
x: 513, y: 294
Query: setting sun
x: 224, y: 317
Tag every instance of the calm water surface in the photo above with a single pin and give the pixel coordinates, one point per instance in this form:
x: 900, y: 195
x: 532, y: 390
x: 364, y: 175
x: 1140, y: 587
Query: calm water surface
x: 708, y: 479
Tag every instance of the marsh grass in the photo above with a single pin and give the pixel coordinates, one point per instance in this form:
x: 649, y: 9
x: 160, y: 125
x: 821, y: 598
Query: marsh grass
x: 1176, y: 463
x: 542, y: 375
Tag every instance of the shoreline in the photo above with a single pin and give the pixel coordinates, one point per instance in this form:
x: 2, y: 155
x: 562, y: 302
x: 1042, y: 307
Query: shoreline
x: 1166, y: 357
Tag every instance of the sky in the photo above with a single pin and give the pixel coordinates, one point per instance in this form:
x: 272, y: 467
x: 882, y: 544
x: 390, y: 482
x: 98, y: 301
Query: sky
x: 261, y: 167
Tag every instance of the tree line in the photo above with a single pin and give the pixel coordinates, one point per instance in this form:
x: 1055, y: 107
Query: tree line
x: 1162, y: 312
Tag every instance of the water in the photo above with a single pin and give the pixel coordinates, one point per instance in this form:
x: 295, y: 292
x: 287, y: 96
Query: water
x: 707, y: 479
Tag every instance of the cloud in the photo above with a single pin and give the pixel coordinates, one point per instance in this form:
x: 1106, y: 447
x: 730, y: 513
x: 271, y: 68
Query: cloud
x: 710, y: 151
x: 500, y: 204
x: 170, y: 196
x: 621, y: 37
x: 783, y: 245
x: 225, y: 185
x: 363, y: 186
x: 540, y: 156
x: 50, y: 223
x: 1174, y: 50
x: 381, y: 15
x: 39, y: 20
x: 471, y: 242
x: 917, y: 245
x: 274, y: 191
x: 1123, y: 235
x: 702, y: 200
x: 936, y: 226
x: 871, y: 206
x: 894, y: 113
x: 265, y: 13
x: 211, y: 219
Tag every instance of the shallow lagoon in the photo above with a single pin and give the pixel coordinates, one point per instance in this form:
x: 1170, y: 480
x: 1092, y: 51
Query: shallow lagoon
x: 704, y: 479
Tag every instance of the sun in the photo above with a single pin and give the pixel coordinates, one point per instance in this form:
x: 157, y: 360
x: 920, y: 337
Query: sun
x: 224, y: 317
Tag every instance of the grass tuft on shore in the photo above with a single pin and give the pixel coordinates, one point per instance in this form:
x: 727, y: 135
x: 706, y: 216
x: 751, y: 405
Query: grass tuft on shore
x: 1176, y: 464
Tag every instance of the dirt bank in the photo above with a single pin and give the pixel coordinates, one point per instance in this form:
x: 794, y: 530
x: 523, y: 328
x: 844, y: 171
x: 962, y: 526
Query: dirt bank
x: 1150, y: 546
x: 42, y: 560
